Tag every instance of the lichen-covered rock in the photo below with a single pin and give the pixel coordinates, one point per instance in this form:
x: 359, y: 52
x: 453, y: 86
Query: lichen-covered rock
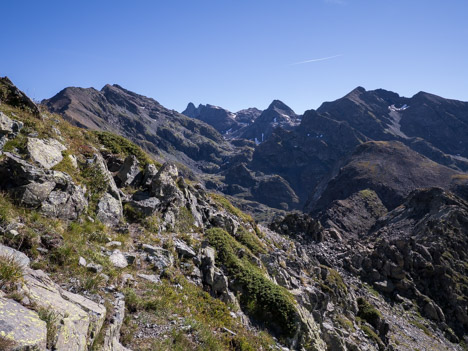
x: 22, y: 326
x: 109, y: 210
x: 72, y: 323
x: 53, y: 193
x: 96, y: 313
x: 45, y: 152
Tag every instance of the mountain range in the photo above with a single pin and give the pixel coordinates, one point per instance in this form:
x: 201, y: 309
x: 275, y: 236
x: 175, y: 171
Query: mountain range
x: 121, y: 224
x: 281, y: 160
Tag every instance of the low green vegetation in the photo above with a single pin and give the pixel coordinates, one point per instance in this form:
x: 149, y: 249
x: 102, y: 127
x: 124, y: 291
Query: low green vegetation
x: 122, y: 146
x: 207, y: 318
x: 250, y: 240
x: 368, y: 312
x: 226, y: 204
x: 11, y: 272
x: 269, y: 303
x: 372, y: 335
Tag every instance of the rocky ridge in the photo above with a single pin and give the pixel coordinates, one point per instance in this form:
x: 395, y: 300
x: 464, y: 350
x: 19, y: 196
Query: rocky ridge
x: 163, y: 263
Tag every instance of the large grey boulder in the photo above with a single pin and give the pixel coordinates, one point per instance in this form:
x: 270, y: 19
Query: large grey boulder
x: 96, y: 313
x: 109, y: 210
x: 159, y: 257
x: 129, y: 171
x: 183, y: 249
x: 53, y: 193
x: 164, y: 185
x: 45, y: 152
x: 22, y: 326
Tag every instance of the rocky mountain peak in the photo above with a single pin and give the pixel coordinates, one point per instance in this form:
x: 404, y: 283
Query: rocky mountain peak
x: 191, y: 110
x: 281, y: 106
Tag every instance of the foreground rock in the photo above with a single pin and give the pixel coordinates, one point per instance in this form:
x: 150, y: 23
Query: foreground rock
x: 22, y: 326
x: 76, y: 320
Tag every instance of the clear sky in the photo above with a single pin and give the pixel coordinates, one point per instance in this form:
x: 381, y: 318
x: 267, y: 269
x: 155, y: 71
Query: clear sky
x: 237, y: 53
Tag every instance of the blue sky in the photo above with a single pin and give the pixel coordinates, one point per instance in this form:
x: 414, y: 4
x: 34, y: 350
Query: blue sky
x: 237, y: 53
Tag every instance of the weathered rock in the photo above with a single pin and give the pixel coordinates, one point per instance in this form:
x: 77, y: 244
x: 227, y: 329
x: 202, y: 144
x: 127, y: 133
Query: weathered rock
x: 112, y: 334
x: 129, y: 171
x: 150, y: 172
x: 45, y: 152
x: 159, y: 257
x: 94, y: 267
x: 183, y: 249
x: 143, y: 204
x: 82, y: 262
x: 22, y: 326
x: 109, y: 210
x: 52, y: 192
x: 163, y: 185
x: 118, y: 259
x: 96, y: 313
x: 75, y: 327
x: 150, y: 277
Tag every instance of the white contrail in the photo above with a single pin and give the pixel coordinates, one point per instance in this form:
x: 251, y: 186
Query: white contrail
x: 315, y: 60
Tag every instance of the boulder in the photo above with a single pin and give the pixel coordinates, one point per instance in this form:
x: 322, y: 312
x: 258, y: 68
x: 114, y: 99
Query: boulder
x: 22, y: 326
x: 164, y: 185
x: 118, y: 259
x: 143, y: 204
x: 53, y: 193
x: 45, y: 152
x: 71, y: 322
x: 159, y: 257
x: 96, y: 313
x: 183, y: 249
x: 149, y: 173
x: 128, y: 172
x: 109, y: 210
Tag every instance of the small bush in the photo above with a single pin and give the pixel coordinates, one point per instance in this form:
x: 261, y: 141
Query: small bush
x: 251, y: 241
x: 368, y: 312
x: 264, y: 300
x: 11, y: 272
